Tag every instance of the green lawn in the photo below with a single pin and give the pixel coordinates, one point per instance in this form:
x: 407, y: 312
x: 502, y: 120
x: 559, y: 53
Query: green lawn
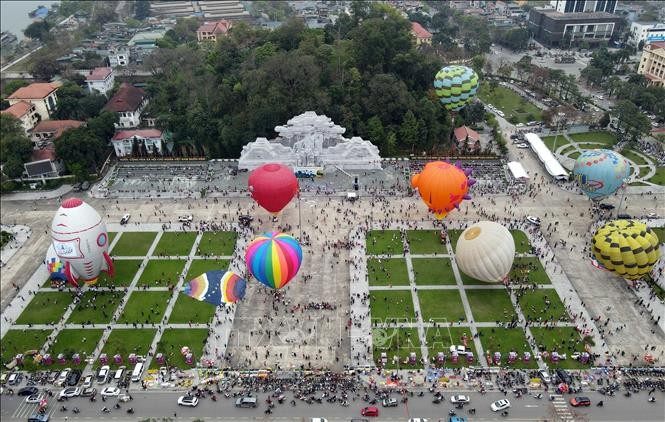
x: 161, y: 272
x: 174, y: 339
x: 528, y: 269
x: 440, y: 339
x: 20, y: 341
x: 175, y: 243
x: 505, y: 340
x: 386, y: 304
x: 453, y: 235
x: 659, y: 177
x: 510, y: 103
x: 72, y: 341
x: 384, y: 242
x: 490, y: 305
x: 200, y: 266
x: 188, y: 310
x: 639, y: 184
x: 607, y: 139
x: 112, y: 236
x: 574, y: 155
x: 126, y: 341
x: 125, y: 270
x: 562, y: 340
x: 441, y: 305
x: 425, y: 242
x: 97, y: 308
x: 433, y: 271
x: 522, y: 244
x: 217, y: 243
x: 396, y: 342
x: 145, y: 307
x: 45, y: 308
x: 631, y: 155
x: 134, y: 243
x: 384, y: 272
x: 549, y: 141
x: 534, y: 307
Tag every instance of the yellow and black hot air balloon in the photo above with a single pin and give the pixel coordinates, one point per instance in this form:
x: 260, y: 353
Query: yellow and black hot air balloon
x: 628, y: 248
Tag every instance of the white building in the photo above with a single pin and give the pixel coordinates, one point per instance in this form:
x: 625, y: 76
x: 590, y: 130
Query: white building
x: 42, y: 95
x: 646, y: 31
x: 129, y: 103
x: 139, y: 141
x: 100, y: 79
x: 577, y: 6
x: 118, y: 56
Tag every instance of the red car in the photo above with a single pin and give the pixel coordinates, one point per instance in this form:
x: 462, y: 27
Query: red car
x: 370, y: 411
x: 580, y: 401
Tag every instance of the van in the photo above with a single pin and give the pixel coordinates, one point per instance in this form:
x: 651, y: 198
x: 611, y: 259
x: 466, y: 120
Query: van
x: 138, y: 371
x: 246, y: 402
x: 118, y: 374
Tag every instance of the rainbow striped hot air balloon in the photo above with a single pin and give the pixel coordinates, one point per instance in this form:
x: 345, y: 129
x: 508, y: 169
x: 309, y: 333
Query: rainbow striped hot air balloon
x: 455, y: 86
x: 274, y: 259
x: 216, y: 287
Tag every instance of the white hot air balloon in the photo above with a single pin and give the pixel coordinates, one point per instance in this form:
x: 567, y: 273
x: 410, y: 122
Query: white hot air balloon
x: 485, y: 251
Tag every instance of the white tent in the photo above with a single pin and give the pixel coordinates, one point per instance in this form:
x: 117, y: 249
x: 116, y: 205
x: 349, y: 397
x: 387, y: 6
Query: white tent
x: 546, y: 157
x: 518, y: 171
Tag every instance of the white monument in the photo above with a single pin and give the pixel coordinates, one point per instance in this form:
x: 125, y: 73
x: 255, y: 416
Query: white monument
x: 311, y: 140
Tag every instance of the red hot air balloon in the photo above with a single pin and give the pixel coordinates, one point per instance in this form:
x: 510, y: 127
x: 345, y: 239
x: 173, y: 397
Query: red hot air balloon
x: 272, y: 186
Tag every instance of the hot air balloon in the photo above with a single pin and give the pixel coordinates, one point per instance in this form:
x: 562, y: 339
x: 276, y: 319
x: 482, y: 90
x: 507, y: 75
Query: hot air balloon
x: 600, y: 172
x: 628, y: 248
x: 485, y: 251
x: 274, y: 259
x: 272, y: 186
x: 455, y: 86
x: 216, y: 287
x: 442, y: 186
x: 55, y: 268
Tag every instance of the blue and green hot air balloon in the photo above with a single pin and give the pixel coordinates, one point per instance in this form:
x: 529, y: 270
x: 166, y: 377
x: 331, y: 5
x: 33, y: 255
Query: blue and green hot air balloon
x: 456, y: 86
x: 600, y: 172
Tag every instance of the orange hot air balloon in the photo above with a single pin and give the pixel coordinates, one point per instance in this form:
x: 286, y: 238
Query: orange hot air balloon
x: 442, y: 186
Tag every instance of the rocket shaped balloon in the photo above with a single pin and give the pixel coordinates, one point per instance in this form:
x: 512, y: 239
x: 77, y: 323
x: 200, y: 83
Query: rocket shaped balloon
x: 81, y: 242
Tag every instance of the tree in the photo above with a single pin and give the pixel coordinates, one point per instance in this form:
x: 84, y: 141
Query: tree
x: 44, y: 68
x: 15, y: 147
x: 473, y: 113
x: 605, y: 120
x: 12, y: 86
x: 375, y: 133
x: 408, y: 131
x: 103, y: 125
x: 13, y: 167
x: 141, y: 9
x: 80, y: 146
x: 516, y: 39
x: 631, y: 120
x: 38, y: 30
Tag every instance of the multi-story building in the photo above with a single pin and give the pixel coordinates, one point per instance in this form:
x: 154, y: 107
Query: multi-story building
x: 42, y: 95
x: 48, y: 131
x: 580, y: 6
x: 646, y: 32
x: 129, y: 103
x: 25, y: 112
x: 652, y: 63
x: 210, y: 30
x: 421, y: 35
x: 100, y: 79
x: 556, y: 29
x: 141, y: 141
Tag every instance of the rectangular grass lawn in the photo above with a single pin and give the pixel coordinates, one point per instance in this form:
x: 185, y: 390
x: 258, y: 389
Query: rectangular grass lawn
x: 490, y: 305
x: 441, y: 305
x: 511, y: 103
x: 439, y: 339
x: 96, y: 308
x: 522, y: 244
x: 606, y: 138
x: 217, y: 244
x: 506, y: 340
x: 124, y: 341
x: 161, y: 272
x: 134, y: 243
x: 174, y: 339
x: 112, y: 236
x: 433, y: 271
x: 398, y: 342
x: 562, y: 340
x: 533, y: 304
x: 175, y: 243
x: 145, y: 307
x: 425, y: 242
x: 200, y: 266
x: 20, y: 341
x: 71, y: 341
x: 125, y: 270
x: 188, y: 310
x: 45, y: 308
x: 389, y: 304
x: 453, y: 235
x: 384, y: 242
x: 387, y: 271
x: 530, y: 270
x: 659, y: 177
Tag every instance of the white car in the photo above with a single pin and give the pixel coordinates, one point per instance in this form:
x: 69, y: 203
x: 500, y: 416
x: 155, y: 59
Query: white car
x: 460, y: 399
x: 418, y: 420
x: 185, y: 219
x: 652, y: 215
x: 545, y: 376
x: 110, y: 392
x: 190, y: 401
x: 35, y: 398
x: 125, y: 219
x: 498, y: 405
x: 522, y: 145
x: 62, y: 377
x: 87, y: 382
x: 533, y: 220
x: 103, y: 374
x: 519, y: 125
x: 70, y: 392
x: 500, y: 113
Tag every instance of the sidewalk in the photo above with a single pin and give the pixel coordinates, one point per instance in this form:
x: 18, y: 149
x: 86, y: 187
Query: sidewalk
x: 38, y: 194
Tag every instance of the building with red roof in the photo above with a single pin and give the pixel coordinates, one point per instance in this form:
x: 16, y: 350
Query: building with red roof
x: 467, y: 139
x: 42, y: 95
x: 652, y: 63
x: 210, y: 30
x: 129, y: 102
x: 44, y: 163
x: 421, y: 35
x: 25, y: 112
x: 100, y: 79
x: 138, y: 141
x: 50, y: 130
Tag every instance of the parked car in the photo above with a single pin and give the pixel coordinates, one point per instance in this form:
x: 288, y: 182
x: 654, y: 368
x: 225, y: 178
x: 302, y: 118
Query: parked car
x: 87, y: 381
x: 370, y: 411
x: 28, y: 391
x: 62, y: 378
x: 652, y: 215
x: 522, y: 145
x: 190, y: 401
x: 35, y: 398
x: 103, y: 374
x: 246, y: 402
x: 73, y: 377
x: 15, y: 378
x: 85, y: 185
x: 110, y: 392
x: 502, y: 404
x: 125, y: 219
x: 89, y: 392
x: 533, y: 220
x: 580, y: 401
x: 390, y: 402
x: 545, y: 376
x: 76, y: 187
x: 38, y: 417
x: 606, y: 207
x: 185, y: 218
x: 564, y: 376
x: 624, y: 216
x: 70, y: 392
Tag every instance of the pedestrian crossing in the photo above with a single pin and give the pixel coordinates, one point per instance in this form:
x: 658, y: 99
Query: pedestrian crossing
x: 561, y: 408
x: 24, y: 410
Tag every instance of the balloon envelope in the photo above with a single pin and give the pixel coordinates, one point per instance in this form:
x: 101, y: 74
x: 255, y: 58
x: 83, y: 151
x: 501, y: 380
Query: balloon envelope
x: 274, y: 259
x: 55, y: 267
x: 456, y: 86
x: 272, y: 186
x: 216, y: 287
x: 485, y: 251
x: 442, y: 186
x: 628, y: 248
x: 600, y: 172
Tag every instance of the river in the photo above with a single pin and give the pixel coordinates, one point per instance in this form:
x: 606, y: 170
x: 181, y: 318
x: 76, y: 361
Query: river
x: 14, y: 14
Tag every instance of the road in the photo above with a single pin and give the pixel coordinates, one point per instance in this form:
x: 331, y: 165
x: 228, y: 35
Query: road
x: 163, y: 405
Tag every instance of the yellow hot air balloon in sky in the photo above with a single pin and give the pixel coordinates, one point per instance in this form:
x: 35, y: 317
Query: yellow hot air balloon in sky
x: 628, y: 248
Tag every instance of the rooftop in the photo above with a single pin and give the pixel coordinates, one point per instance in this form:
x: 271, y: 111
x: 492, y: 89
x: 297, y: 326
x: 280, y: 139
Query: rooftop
x: 18, y: 110
x: 463, y: 132
x: 128, y: 98
x: 220, y: 27
x: 420, y: 32
x: 56, y: 126
x: 43, y: 154
x: 553, y: 14
x: 35, y: 91
x: 142, y: 133
x: 99, y: 74
x: 656, y: 45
